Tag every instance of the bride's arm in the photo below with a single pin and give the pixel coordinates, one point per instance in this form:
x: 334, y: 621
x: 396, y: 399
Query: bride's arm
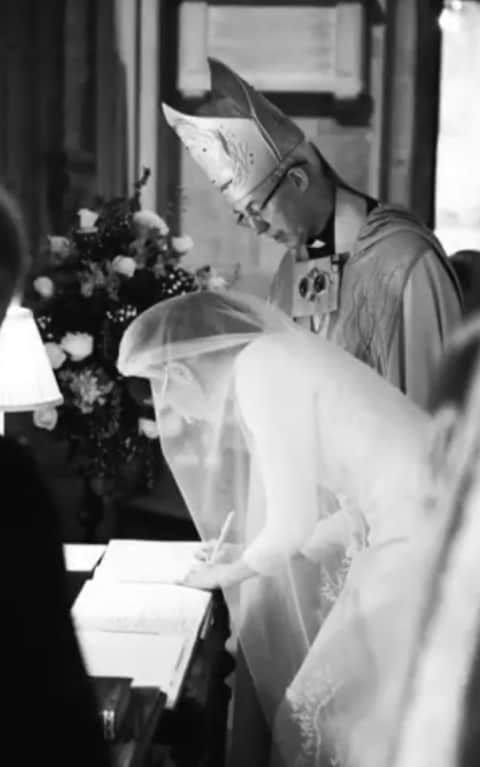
x: 276, y: 401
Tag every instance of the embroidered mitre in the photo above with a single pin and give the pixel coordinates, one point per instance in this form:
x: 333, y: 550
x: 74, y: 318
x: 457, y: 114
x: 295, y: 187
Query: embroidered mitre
x: 241, y: 141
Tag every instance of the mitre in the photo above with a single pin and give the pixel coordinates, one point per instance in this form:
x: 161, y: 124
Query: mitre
x: 241, y: 140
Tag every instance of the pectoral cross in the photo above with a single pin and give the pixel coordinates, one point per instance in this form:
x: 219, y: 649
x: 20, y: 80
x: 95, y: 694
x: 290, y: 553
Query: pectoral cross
x: 316, y: 289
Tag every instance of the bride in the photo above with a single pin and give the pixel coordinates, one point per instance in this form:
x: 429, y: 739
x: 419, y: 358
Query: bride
x: 314, y: 453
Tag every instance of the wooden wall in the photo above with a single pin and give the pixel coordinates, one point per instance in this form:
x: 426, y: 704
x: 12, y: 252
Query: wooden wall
x: 63, y: 139
x: 31, y: 119
x: 80, y: 85
x: 63, y: 120
x: 412, y: 77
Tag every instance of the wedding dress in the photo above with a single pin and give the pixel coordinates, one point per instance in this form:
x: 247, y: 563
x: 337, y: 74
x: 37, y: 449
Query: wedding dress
x: 315, y: 453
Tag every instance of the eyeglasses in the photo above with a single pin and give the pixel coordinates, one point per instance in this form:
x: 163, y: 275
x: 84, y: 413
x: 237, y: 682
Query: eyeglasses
x: 252, y: 215
x: 252, y: 219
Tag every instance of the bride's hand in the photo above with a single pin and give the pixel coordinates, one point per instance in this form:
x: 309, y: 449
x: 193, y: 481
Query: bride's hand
x: 229, y: 552
x: 219, y: 576
x: 205, y: 551
x: 207, y: 577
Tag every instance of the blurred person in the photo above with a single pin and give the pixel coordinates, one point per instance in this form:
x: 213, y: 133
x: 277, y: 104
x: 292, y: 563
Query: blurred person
x: 50, y: 713
x: 438, y: 721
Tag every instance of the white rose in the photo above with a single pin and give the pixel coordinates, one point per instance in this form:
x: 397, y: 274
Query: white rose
x: 182, y: 244
x: 55, y: 354
x: 77, y: 345
x: 124, y: 265
x: 217, y: 282
x: 148, y: 428
x: 146, y: 220
x: 44, y: 287
x: 87, y: 288
x: 87, y: 219
x: 45, y: 418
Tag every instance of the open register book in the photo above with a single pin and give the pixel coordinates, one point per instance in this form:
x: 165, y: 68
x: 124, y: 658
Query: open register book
x: 82, y: 557
x: 132, y: 621
x: 147, y: 561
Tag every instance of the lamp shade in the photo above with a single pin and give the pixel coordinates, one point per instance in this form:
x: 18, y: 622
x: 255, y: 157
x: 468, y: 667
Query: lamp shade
x: 27, y: 380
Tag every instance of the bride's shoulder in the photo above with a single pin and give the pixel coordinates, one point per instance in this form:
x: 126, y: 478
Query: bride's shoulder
x: 263, y: 379
x: 264, y: 354
x: 268, y: 370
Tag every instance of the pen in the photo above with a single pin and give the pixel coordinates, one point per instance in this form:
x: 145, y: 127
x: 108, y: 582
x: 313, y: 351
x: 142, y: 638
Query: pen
x: 222, y: 536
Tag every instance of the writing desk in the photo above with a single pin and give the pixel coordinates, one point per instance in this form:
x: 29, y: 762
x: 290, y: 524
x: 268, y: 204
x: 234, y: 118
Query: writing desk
x: 138, y: 733
x: 194, y: 729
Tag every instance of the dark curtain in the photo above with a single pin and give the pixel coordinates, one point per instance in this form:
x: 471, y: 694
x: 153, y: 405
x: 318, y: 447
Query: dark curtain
x: 112, y: 120
x: 31, y: 56
x: 63, y: 140
x: 63, y: 127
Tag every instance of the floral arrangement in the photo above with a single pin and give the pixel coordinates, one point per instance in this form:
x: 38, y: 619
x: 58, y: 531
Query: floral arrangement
x: 116, y: 262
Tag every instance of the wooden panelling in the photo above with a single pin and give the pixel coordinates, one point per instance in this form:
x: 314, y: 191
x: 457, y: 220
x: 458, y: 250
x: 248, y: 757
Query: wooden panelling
x: 411, y: 104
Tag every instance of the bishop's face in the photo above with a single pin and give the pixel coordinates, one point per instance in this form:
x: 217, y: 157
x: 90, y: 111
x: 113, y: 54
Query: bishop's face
x: 283, y: 215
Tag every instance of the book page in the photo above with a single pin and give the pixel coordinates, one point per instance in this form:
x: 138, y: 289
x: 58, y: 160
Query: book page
x: 149, y: 659
x: 150, y: 608
x: 82, y: 557
x: 148, y: 561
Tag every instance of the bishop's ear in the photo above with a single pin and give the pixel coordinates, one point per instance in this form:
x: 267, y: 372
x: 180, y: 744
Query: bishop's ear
x: 299, y: 177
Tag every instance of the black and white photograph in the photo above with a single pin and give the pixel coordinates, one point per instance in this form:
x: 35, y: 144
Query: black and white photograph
x: 240, y: 383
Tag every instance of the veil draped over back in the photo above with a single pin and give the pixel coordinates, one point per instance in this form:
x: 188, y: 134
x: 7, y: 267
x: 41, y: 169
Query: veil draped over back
x: 196, y: 341
x: 214, y: 465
